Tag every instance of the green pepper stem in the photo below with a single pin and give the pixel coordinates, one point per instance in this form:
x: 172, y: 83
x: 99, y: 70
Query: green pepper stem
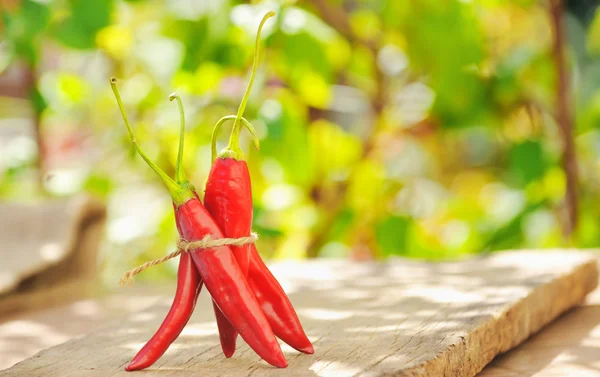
x: 178, y: 193
x: 179, y: 175
x: 235, y: 132
x: 217, y: 128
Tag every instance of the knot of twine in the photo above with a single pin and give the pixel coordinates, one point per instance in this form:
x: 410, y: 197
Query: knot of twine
x: 185, y: 246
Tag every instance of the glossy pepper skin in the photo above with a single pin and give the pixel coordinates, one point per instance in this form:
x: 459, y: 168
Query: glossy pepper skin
x: 276, y: 305
x: 228, y: 197
x: 227, y: 200
x: 227, y: 284
x: 189, y: 285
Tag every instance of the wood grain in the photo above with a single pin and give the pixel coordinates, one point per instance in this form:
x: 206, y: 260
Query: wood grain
x: 400, y: 318
x: 23, y: 334
x: 569, y: 346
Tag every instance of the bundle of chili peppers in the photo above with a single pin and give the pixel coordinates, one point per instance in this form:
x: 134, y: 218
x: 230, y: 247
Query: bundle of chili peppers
x: 247, y: 299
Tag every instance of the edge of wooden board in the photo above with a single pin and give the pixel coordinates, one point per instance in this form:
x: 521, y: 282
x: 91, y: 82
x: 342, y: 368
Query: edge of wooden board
x: 514, y: 326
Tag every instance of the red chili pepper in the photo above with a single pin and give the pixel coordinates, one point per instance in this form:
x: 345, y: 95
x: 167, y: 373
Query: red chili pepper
x: 237, y: 222
x: 189, y: 285
x: 277, y: 306
x: 228, y: 198
x: 217, y: 268
x: 189, y: 282
x: 227, y: 284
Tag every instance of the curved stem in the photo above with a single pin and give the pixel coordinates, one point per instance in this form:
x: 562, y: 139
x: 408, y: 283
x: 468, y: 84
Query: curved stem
x: 179, y: 175
x: 178, y: 194
x: 235, y: 133
x: 217, y: 128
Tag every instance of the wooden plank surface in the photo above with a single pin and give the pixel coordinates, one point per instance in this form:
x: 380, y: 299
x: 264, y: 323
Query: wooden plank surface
x: 46, y: 250
x: 23, y: 334
x: 400, y: 318
x: 567, y: 347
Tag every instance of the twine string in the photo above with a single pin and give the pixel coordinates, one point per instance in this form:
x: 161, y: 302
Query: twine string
x: 185, y: 246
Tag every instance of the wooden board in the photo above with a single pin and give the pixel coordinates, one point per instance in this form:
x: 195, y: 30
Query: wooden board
x: 46, y: 250
x: 400, y: 318
x: 36, y: 236
x: 25, y: 333
x: 569, y: 346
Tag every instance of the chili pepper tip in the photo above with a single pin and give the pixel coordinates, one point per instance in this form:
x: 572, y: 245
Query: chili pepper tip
x: 308, y: 350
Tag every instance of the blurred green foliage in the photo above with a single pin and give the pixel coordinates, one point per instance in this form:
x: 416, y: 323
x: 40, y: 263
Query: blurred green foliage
x: 417, y: 128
